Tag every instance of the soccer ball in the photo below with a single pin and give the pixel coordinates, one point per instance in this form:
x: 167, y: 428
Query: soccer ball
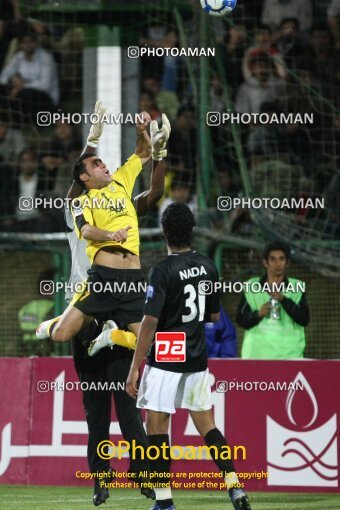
x: 218, y: 7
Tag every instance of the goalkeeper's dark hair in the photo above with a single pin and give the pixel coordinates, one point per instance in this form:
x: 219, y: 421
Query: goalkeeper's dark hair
x: 79, y: 168
x: 178, y: 222
x: 276, y: 246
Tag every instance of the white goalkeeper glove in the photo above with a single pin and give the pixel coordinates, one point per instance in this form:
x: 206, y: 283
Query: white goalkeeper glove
x: 97, y: 128
x: 159, y: 138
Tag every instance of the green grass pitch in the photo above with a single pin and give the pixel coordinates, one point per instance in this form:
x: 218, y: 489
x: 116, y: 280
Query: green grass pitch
x: 21, y: 497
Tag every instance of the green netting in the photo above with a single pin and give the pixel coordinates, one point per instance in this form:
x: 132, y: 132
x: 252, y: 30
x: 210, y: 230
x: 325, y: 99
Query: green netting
x: 234, y: 159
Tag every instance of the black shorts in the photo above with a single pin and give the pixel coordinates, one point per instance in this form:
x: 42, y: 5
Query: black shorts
x: 117, y: 294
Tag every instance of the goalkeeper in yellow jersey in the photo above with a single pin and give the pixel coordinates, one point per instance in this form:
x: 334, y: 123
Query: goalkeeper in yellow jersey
x: 106, y: 217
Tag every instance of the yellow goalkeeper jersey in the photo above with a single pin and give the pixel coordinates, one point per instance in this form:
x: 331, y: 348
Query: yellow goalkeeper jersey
x: 110, y: 208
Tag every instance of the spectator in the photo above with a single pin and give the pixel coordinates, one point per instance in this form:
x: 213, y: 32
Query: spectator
x: 70, y: 48
x: 217, y: 103
x: 290, y: 43
x: 147, y: 104
x: 274, y: 322
x: 274, y: 11
x: 11, y: 143
x: 64, y: 136
x: 262, y: 86
x: 228, y: 185
x: 324, y: 58
x: 7, y: 199
x: 180, y: 192
x: 221, y: 337
x: 333, y: 15
x: 263, y: 43
x: 332, y: 198
x: 159, y: 35
x: 40, y: 30
x: 43, y: 34
x: 182, y: 143
x: 233, y: 52
x: 9, y: 17
x: 165, y: 100
x: 32, y: 314
x: 290, y: 143
x: 29, y: 184
x: 263, y: 141
x: 302, y: 101
x: 31, y: 78
x: 64, y: 176
x: 50, y: 163
x: 296, y: 142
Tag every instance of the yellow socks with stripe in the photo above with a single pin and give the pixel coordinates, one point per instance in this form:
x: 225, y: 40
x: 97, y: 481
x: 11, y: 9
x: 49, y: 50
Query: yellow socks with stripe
x: 123, y: 338
x: 45, y: 329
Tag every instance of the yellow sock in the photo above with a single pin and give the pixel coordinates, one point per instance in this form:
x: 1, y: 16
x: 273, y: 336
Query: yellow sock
x: 124, y: 338
x: 52, y: 321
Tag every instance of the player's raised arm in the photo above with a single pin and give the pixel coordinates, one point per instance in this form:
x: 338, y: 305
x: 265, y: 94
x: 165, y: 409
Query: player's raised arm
x: 92, y: 141
x: 143, y: 145
x: 159, y: 138
x: 145, y: 200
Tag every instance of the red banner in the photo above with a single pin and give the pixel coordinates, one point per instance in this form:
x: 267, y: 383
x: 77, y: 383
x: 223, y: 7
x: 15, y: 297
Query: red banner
x: 281, y: 414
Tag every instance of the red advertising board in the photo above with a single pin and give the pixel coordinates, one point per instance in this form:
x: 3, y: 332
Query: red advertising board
x: 283, y: 413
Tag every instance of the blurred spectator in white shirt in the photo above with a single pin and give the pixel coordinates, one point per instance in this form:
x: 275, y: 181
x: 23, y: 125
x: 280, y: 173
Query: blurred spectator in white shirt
x: 31, y: 77
x: 262, y: 86
x: 274, y: 11
x: 263, y: 42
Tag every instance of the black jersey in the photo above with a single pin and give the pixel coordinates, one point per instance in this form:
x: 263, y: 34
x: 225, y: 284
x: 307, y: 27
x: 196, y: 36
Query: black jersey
x: 174, y: 296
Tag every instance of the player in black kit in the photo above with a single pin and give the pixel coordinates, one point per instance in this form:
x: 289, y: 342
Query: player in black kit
x: 176, y: 303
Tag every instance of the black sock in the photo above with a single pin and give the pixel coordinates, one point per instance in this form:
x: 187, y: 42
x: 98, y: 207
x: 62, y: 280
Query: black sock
x: 164, y: 503
x: 215, y: 438
x: 160, y: 466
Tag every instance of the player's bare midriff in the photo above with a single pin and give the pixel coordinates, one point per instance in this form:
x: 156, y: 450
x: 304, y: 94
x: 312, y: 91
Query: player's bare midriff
x: 117, y: 258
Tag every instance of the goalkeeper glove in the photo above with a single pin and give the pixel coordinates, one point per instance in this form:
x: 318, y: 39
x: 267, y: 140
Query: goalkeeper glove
x: 96, y: 129
x: 159, y: 138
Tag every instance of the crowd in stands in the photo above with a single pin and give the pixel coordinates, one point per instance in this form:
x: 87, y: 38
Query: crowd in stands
x: 39, y: 71
x: 278, y: 56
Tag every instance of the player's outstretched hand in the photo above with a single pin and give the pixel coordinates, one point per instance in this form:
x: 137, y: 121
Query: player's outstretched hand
x: 141, y: 125
x: 97, y: 127
x: 121, y: 235
x: 131, y: 383
x: 159, y: 137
